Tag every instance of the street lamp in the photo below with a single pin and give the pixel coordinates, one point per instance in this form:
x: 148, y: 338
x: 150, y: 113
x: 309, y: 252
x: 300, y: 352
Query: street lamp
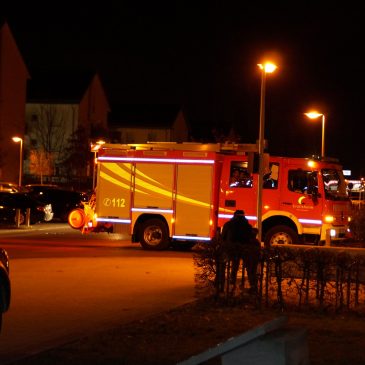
x: 95, y: 148
x: 267, y: 67
x: 315, y: 115
x: 17, y: 140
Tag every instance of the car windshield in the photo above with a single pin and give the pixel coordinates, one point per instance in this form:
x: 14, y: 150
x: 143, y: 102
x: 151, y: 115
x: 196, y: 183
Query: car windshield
x: 334, y: 184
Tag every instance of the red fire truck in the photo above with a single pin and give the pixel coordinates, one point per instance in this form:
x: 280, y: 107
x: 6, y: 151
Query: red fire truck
x: 185, y: 192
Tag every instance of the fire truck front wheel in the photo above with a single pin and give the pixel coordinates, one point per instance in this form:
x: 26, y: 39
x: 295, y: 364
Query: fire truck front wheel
x: 281, y: 235
x: 154, y: 235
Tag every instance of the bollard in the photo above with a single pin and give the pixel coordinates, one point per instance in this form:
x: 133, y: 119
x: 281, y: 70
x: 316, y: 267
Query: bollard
x: 27, y: 217
x: 17, y: 218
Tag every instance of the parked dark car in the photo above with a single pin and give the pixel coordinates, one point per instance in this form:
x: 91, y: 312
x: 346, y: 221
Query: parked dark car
x: 9, y: 186
x: 5, y: 287
x: 63, y: 201
x: 11, y: 202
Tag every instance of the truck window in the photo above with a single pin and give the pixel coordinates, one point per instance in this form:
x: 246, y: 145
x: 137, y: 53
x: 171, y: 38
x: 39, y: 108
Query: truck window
x: 300, y: 180
x: 271, y: 176
x: 239, y: 175
x: 334, y: 184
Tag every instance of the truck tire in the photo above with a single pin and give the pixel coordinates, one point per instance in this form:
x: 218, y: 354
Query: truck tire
x: 154, y: 235
x: 281, y: 235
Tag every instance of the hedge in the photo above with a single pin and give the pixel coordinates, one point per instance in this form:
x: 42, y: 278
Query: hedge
x: 301, y: 277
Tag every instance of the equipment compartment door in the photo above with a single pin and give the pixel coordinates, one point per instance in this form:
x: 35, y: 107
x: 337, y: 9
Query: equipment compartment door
x: 153, y: 185
x: 194, y: 190
x: 114, y: 190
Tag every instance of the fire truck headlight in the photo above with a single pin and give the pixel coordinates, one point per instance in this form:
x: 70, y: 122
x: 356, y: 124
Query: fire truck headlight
x: 329, y: 218
x: 333, y: 233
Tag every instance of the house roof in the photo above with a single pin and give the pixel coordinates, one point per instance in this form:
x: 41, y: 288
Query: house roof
x: 62, y: 87
x: 5, y: 31
x: 143, y: 115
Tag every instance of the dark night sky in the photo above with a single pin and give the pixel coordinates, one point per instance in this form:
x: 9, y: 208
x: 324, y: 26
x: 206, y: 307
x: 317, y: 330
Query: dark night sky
x: 204, y: 57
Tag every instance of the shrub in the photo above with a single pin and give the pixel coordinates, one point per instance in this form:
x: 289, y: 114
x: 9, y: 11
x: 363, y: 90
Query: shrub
x: 357, y: 225
x: 305, y: 277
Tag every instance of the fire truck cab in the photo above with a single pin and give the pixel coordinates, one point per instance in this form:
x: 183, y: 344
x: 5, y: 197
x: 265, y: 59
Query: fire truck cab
x: 304, y: 200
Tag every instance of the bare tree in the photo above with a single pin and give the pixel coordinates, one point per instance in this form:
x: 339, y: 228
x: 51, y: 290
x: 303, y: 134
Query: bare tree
x: 77, y: 155
x: 41, y: 163
x: 48, y: 133
x: 49, y: 128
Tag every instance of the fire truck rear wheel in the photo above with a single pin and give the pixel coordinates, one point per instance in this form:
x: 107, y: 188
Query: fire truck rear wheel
x: 154, y: 235
x: 281, y: 235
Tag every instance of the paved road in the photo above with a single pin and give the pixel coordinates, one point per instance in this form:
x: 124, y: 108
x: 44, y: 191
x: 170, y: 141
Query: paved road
x: 65, y: 285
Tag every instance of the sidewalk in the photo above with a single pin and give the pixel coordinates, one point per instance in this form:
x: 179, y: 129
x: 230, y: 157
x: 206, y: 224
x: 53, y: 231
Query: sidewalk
x: 39, y: 227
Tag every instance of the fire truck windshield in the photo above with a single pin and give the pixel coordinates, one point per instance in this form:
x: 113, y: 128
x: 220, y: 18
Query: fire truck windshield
x: 334, y: 184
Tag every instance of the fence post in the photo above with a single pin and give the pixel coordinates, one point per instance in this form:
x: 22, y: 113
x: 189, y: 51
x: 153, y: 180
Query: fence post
x: 17, y: 218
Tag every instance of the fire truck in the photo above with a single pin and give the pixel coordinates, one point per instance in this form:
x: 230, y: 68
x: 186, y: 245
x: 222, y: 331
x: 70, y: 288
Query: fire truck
x: 166, y: 192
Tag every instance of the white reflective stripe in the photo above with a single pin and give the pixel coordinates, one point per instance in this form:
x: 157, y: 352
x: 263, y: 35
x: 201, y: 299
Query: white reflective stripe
x: 229, y: 216
x: 192, y: 238
x: 154, y: 210
x: 225, y: 216
x: 310, y: 221
x: 113, y: 220
x: 253, y: 218
x: 140, y: 159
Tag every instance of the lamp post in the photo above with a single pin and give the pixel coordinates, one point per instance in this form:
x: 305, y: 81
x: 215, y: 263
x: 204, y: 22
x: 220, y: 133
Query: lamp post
x: 315, y: 115
x: 95, y: 148
x: 267, y: 67
x: 20, y: 140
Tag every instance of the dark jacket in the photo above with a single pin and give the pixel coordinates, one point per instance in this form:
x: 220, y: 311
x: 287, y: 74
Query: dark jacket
x: 237, y: 229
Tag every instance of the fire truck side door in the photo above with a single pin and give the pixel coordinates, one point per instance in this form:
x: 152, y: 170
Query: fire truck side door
x: 194, y: 194
x: 113, y: 190
x: 299, y: 195
x: 153, y: 185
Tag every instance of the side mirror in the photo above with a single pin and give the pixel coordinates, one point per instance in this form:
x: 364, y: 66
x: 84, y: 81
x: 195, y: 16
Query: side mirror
x: 350, y: 186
